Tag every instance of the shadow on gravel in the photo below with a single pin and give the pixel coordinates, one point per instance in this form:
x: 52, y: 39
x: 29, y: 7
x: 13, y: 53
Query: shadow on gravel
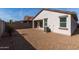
x: 14, y: 42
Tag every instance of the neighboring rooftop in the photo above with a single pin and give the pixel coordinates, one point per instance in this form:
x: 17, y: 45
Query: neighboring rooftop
x: 28, y: 18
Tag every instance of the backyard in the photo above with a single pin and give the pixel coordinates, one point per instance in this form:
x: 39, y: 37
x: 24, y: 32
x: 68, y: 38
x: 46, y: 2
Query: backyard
x: 48, y: 41
x: 35, y: 39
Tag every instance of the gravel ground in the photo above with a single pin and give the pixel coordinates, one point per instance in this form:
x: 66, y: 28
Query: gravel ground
x: 50, y: 41
x: 14, y: 42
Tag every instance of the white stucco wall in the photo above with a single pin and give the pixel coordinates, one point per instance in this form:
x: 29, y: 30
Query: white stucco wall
x: 54, y: 21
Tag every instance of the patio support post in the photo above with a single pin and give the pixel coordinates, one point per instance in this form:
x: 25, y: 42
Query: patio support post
x: 33, y: 24
x: 43, y: 23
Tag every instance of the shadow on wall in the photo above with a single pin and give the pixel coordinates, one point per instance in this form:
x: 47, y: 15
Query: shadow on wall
x: 14, y: 42
x: 76, y: 32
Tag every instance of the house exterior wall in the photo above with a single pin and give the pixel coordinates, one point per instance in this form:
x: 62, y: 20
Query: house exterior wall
x: 54, y: 21
x: 73, y: 25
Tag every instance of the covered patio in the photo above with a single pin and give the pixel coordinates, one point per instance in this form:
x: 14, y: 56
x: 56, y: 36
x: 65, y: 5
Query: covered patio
x: 38, y: 24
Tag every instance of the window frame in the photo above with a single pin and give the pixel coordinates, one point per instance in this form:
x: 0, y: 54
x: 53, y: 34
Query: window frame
x: 45, y: 22
x: 63, y: 22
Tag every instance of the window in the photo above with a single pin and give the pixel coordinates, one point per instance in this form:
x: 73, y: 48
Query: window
x: 63, y: 21
x: 45, y: 22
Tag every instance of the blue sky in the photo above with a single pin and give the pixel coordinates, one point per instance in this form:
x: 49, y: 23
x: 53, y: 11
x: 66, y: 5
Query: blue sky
x: 17, y: 14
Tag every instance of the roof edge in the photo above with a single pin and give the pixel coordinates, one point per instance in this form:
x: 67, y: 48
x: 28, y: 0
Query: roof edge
x: 59, y: 11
